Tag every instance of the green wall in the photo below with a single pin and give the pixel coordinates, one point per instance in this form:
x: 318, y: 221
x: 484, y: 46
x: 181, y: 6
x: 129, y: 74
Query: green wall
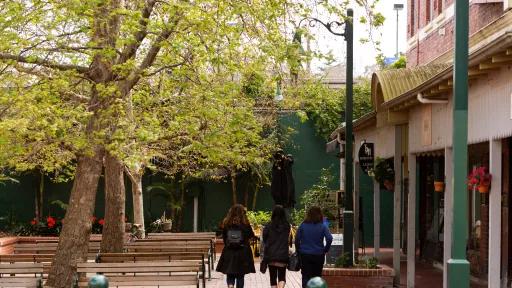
x: 308, y: 150
x: 386, y: 212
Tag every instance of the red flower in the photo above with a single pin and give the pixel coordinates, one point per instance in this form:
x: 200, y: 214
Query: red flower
x: 93, y: 219
x: 101, y: 222
x: 50, y: 222
x: 33, y: 222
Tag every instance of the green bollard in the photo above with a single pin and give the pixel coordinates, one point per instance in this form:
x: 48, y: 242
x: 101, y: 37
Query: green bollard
x: 317, y: 282
x: 98, y: 281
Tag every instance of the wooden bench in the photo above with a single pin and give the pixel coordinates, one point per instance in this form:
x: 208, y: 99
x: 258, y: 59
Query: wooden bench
x: 21, y: 275
x: 186, y: 236
x: 144, y: 274
x: 151, y: 257
x: 51, y: 248
x: 199, y: 245
x: 46, y: 259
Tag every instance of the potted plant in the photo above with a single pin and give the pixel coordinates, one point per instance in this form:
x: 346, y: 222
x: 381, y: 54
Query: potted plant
x: 439, y: 185
x: 166, y: 223
x: 480, y: 178
x: 384, y: 173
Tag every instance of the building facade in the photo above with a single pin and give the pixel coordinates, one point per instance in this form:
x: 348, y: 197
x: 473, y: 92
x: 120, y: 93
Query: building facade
x: 412, y: 127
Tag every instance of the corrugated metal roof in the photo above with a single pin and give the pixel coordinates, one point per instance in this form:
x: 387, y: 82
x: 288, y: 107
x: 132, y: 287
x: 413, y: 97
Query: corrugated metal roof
x: 395, y: 82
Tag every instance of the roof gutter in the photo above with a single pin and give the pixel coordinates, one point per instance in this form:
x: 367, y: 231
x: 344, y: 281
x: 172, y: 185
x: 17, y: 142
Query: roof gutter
x: 424, y: 100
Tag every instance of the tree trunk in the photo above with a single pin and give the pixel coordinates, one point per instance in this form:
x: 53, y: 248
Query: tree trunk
x: 233, y: 188
x: 115, y: 198
x: 246, y: 195
x: 74, y: 238
x: 138, y: 204
x: 254, y: 198
x: 41, y: 193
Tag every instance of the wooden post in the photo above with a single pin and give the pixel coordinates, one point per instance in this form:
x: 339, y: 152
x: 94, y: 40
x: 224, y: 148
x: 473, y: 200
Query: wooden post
x: 448, y: 199
x: 495, y: 166
x: 397, y: 204
x: 376, y: 219
x: 411, y: 223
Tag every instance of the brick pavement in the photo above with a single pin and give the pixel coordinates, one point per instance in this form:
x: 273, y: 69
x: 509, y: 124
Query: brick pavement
x: 257, y: 280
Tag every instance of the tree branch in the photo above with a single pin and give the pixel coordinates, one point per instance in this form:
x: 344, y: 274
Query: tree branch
x: 130, y: 50
x: 153, y: 51
x: 42, y: 62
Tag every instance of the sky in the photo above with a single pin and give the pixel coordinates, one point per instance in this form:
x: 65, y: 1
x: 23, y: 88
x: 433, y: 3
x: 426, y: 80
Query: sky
x: 364, y: 54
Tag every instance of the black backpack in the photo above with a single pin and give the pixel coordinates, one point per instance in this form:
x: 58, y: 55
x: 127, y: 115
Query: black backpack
x: 235, y: 238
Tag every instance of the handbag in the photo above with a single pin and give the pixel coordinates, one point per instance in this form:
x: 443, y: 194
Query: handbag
x: 294, y: 262
x: 263, y: 266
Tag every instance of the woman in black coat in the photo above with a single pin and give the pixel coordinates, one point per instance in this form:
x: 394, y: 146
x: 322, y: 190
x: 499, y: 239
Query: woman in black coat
x: 276, y: 242
x: 236, y: 259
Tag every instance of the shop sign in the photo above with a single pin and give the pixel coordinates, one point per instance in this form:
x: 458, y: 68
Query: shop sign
x: 367, y: 157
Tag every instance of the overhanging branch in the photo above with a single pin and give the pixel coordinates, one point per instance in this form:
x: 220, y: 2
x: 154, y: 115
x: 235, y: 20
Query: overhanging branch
x: 42, y: 62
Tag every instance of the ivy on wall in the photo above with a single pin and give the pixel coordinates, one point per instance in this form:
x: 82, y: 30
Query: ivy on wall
x: 326, y: 106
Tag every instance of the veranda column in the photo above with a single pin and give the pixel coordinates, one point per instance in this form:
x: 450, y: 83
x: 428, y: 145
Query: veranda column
x: 448, y: 200
x: 495, y: 214
x: 411, y: 223
x: 397, y: 203
x: 357, y: 235
x: 376, y: 219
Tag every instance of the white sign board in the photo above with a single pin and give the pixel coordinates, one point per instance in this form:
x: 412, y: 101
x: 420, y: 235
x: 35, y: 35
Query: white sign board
x: 337, y: 239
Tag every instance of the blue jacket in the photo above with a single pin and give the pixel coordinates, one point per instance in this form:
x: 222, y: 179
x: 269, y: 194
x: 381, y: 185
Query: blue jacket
x: 310, y: 239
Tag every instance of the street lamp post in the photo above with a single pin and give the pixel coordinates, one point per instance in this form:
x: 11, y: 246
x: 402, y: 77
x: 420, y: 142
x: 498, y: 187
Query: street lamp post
x: 458, y: 266
x: 348, y: 214
x: 397, y: 8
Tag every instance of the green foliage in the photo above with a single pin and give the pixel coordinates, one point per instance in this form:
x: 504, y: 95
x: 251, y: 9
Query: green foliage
x: 60, y: 204
x: 343, y: 261
x: 401, y: 62
x: 326, y: 107
x: 297, y: 216
x: 259, y: 218
x: 321, y: 195
x: 370, y: 262
x: 383, y: 170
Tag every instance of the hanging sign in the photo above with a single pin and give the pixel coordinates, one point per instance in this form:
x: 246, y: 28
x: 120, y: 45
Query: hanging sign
x: 366, y: 157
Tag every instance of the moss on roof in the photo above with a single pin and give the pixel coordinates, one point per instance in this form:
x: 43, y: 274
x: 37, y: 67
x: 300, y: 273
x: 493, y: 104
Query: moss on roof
x: 395, y: 82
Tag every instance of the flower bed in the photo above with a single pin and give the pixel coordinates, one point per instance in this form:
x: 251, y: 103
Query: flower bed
x: 359, y: 277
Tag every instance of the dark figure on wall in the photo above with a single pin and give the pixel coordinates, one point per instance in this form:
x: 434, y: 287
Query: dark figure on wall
x: 283, y: 185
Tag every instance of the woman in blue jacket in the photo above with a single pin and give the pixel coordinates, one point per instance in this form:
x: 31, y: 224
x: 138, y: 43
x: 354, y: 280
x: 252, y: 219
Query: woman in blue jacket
x: 309, y: 242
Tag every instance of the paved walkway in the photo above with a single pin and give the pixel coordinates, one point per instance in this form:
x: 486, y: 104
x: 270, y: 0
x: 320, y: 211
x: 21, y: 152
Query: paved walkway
x: 426, y: 275
x: 257, y: 280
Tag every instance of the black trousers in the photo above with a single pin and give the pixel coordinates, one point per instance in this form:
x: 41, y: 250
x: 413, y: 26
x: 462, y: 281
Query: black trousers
x: 311, y: 266
x: 276, y: 273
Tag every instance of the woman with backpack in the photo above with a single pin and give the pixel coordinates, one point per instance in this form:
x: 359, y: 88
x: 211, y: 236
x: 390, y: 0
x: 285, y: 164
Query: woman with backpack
x: 236, y: 259
x: 276, y: 242
x: 309, y: 242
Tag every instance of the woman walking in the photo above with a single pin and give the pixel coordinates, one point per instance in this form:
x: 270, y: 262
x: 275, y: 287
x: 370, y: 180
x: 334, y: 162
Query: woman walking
x: 309, y: 242
x: 275, y: 239
x: 236, y: 259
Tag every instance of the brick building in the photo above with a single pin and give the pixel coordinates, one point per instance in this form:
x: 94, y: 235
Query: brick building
x: 412, y: 128
x: 430, y: 26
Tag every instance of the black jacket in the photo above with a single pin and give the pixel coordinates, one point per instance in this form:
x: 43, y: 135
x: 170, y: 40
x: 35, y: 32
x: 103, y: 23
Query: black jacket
x: 237, y: 260
x: 275, y: 239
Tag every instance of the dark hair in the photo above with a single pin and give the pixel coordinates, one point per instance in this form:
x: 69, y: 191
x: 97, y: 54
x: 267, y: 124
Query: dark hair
x: 237, y: 215
x: 279, y: 216
x: 314, y: 215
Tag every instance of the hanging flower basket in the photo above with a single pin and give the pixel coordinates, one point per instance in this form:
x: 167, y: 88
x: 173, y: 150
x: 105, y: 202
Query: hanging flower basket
x: 438, y: 186
x: 483, y: 189
x: 481, y: 179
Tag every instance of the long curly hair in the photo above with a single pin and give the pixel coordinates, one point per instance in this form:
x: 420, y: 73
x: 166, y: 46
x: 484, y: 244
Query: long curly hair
x: 237, y: 215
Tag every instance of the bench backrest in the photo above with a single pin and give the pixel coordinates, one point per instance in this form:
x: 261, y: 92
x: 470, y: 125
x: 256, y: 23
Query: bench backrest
x: 139, y: 268
x: 26, y: 258
x: 148, y: 257
x: 21, y: 269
